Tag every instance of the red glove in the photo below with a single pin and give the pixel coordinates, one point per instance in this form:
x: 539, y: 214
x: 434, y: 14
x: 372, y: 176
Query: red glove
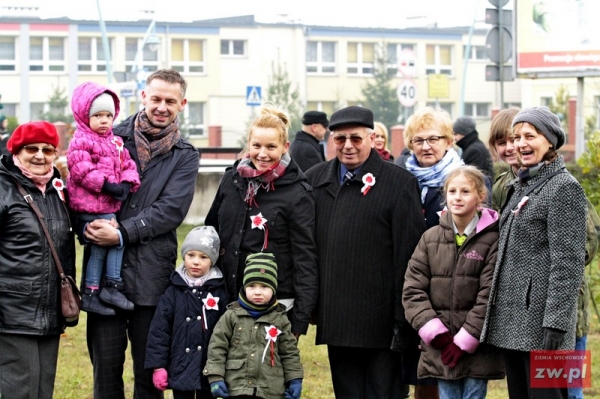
x: 451, y: 354
x: 160, y: 378
x: 441, y: 341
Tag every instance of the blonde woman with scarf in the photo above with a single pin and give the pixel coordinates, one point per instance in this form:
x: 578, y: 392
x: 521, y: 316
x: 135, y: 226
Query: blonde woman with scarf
x: 264, y: 204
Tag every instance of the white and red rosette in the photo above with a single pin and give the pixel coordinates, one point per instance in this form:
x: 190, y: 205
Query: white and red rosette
x: 368, y: 181
x: 271, y: 335
x: 59, y: 186
x: 259, y: 222
x: 210, y: 303
x: 118, y: 142
x: 520, y: 205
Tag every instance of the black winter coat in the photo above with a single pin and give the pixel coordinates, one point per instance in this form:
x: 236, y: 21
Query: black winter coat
x: 306, y: 151
x: 475, y: 153
x: 290, y: 213
x: 151, y: 215
x: 29, y: 282
x: 177, y: 340
x: 365, y: 243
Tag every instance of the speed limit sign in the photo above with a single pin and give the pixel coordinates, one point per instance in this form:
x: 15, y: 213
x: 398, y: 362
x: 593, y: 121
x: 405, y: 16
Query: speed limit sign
x: 407, y: 93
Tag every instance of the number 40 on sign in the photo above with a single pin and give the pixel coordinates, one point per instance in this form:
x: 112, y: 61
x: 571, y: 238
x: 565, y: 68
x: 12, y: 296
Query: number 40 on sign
x: 407, y: 93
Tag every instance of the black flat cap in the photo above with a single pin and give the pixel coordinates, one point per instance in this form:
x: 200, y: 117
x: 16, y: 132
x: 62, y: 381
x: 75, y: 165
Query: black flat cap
x: 311, y: 117
x: 353, y: 115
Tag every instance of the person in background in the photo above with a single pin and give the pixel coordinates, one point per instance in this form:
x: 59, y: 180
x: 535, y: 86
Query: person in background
x: 185, y: 318
x: 429, y: 136
x: 447, y: 286
x: 265, y: 204
x: 237, y: 365
x: 306, y: 150
x: 474, y: 151
x: 502, y: 145
x: 541, y: 255
x: 31, y: 321
x: 404, y: 155
x: 4, y: 136
x: 148, y: 219
x: 381, y: 141
x: 368, y: 222
x: 101, y: 176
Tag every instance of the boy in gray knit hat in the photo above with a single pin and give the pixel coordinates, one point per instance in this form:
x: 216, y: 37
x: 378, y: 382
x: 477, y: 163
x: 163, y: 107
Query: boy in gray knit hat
x: 256, y: 320
x: 186, y: 316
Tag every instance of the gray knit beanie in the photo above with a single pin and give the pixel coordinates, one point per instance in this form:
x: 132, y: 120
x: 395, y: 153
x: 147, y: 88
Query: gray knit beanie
x: 104, y: 102
x: 545, y: 122
x: 204, y: 239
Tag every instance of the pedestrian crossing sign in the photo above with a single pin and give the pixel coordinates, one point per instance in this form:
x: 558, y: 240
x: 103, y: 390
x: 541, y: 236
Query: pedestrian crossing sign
x: 253, y: 95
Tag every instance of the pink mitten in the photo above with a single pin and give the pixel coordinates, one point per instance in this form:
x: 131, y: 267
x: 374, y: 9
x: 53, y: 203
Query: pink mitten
x: 160, y: 378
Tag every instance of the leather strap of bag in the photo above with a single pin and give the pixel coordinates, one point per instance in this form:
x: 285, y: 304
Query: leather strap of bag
x: 29, y: 200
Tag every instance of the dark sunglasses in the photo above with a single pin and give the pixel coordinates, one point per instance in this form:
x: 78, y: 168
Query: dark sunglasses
x: 32, y: 150
x: 341, y: 139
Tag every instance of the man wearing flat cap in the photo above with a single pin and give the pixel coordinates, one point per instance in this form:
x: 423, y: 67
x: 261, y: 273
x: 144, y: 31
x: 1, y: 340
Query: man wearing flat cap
x: 369, y: 220
x: 306, y: 149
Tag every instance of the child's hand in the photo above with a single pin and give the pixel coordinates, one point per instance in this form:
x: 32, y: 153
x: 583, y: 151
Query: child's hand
x: 117, y: 191
x: 219, y: 389
x: 294, y: 389
x: 442, y: 340
x: 451, y: 354
x: 160, y: 378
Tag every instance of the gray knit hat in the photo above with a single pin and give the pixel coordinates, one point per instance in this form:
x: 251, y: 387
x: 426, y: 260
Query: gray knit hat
x: 545, y: 121
x: 261, y: 268
x: 464, y: 125
x: 104, y: 102
x: 204, y: 239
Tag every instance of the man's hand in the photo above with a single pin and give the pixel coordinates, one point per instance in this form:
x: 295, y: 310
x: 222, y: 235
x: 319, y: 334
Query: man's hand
x: 102, y: 232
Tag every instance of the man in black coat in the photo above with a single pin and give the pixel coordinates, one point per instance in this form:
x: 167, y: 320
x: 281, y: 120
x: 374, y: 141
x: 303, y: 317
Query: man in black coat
x: 368, y: 222
x: 306, y: 149
x: 474, y: 152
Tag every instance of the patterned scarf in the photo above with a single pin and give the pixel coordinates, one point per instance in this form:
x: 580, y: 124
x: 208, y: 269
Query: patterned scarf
x: 152, y: 141
x: 257, y: 179
x: 39, y: 181
x: 433, y: 176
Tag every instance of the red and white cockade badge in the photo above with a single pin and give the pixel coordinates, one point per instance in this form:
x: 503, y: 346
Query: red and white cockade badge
x: 259, y: 222
x: 520, y: 205
x: 210, y: 303
x: 271, y: 337
x: 369, y: 181
x: 59, y: 186
x: 118, y: 142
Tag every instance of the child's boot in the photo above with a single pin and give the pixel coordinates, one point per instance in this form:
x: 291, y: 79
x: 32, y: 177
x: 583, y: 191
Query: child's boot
x: 90, y: 302
x: 111, y: 295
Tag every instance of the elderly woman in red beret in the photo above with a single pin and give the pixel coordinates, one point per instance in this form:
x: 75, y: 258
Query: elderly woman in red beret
x: 31, y: 320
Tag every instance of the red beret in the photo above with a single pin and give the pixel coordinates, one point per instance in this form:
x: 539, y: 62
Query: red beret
x: 32, y: 132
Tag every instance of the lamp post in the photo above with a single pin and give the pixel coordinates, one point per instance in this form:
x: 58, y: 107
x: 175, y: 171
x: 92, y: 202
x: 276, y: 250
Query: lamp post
x: 151, y: 40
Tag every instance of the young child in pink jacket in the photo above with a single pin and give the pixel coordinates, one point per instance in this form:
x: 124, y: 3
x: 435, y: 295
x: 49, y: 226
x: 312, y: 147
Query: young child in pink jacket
x: 101, y: 176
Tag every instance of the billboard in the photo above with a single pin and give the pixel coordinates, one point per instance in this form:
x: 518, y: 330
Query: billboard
x: 557, y: 38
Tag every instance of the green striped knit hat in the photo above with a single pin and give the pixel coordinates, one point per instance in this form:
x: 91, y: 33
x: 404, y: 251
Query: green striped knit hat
x: 261, y: 268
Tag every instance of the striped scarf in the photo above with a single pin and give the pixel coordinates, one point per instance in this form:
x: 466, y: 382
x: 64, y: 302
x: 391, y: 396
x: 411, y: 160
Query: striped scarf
x: 257, y: 179
x: 152, y: 141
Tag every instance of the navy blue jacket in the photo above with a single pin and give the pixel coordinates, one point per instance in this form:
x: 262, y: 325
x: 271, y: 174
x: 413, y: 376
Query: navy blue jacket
x: 177, y: 340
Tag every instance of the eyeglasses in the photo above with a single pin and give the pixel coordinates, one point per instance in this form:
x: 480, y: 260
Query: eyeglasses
x: 433, y: 140
x: 340, y: 139
x: 32, y: 150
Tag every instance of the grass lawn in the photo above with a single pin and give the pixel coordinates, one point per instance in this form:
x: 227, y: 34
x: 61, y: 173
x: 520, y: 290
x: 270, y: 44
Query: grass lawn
x: 74, y: 375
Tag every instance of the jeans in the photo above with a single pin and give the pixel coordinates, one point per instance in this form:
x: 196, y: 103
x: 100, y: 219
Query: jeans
x: 580, y: 345
x: 465, y: 388
x: 100, y: 256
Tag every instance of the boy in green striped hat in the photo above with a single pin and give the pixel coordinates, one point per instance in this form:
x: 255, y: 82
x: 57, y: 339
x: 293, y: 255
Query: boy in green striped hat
x: 252, y: 337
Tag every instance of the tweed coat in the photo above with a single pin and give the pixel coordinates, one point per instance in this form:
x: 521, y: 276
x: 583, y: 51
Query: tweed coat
x: 446, y: 289
x: 364, y: 244
x: 541, y: 255
x: 306, y: 151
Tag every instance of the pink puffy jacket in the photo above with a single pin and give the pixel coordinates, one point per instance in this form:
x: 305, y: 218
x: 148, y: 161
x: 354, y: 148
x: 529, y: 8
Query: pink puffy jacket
x: 93, y: 158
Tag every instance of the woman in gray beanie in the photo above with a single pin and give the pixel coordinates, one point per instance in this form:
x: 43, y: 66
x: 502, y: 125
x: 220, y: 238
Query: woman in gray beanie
x: 541, y: 254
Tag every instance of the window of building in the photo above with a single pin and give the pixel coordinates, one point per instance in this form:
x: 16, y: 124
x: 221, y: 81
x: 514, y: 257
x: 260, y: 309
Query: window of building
x: 187, y: 55
x: 9, y: 109
x: 442, y: 105
x: 90, y: 55
x: 477, y: 53
x: 477, y: 110
x: 320, y: 57
x: 149, y: 56
x: 233, y: 48
x: 509, y: 105
x: 36, y: 110
x: 193, y: 118
x: 361, y: 57
x: 546, y: 101
x: 7, y: 53
x: 438, y: 59
x: 329, y: 107
x: 46, y: 54
x: 401, y: 56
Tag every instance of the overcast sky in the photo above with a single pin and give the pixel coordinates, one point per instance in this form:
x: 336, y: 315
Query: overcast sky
x: 371, y: 13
